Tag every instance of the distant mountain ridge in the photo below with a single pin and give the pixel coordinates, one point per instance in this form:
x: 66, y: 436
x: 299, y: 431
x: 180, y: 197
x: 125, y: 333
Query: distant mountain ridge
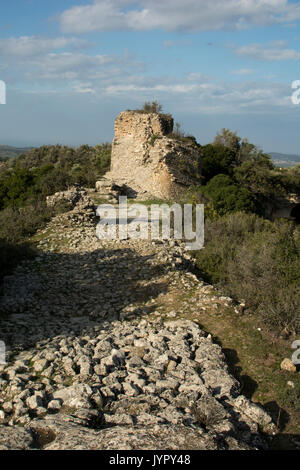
x: 8, y: 151
x: 283, y: 159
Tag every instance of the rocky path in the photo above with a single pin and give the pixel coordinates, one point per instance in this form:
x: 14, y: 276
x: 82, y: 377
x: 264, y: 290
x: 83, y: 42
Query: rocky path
x: 105, y: 351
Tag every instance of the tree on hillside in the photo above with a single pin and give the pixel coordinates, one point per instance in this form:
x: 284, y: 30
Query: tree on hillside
x: 242, y: 148
x: 226, y: 196
x: 228, y: 139
x: 265, y: 184
x: 216, y: 159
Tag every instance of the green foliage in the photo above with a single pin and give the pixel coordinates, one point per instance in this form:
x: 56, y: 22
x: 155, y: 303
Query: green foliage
x: 243, y: 150
x: 49, y: 169
x: 16, y: 187
x: 216, y: 159
x: 255, y: 261
x: 154, y: 138
x: 291, y: 179
x: 16, y: 224
x: 154, y: 107
x: 27, y: 180
x: 11, y: 255
x: 228, y: 139
x: 252, y: 182
x: 222, y: 236
x: 264, y: 183
x: 226, y: 196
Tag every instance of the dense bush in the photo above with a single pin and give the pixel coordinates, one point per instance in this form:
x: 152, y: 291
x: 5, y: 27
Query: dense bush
x: 49, y: 169
x: 223, y: 195
x: 16, y: 224
x: 264, y: 183
x: 216, y: 159
x: 291, y: 179
x: 257, y: 261
x: 237, y: 176
x: 25, y: 182
x: 11, y: 255
x: 154, y: 107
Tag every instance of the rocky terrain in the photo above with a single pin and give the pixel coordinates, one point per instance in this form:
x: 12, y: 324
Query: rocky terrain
x: 105, y: 350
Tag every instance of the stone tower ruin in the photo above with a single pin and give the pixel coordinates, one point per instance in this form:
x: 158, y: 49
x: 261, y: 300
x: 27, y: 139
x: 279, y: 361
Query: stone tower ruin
x: 149, y: 160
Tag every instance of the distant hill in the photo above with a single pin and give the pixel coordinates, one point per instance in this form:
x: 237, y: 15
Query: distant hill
x: 7, y: 151
x: 284, y: 160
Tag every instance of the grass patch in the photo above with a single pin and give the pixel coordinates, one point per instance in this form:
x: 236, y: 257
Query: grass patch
x: 254, y: 355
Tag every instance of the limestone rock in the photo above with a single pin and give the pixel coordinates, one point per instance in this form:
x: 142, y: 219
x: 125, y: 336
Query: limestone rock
x: 58, y: 434
x: 15, y: 438
x: 288, y: 365
x: 76, y: 396
x: 147, y: 160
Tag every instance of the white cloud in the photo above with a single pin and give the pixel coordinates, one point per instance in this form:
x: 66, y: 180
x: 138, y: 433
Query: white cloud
x: 84, y: 88
x: 172, y: 15
x: 69, y: 65
x: 272, y: 52
x: 211, y: 97
x: 39, y: 59
x: 29, y: 46
x: 121, y: 77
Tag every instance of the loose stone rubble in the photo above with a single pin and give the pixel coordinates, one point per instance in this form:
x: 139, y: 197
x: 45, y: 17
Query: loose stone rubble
x: 104, y: 350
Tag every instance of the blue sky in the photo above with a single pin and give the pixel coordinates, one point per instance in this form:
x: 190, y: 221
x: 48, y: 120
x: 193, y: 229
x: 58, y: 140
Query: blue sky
x: 71, y: 66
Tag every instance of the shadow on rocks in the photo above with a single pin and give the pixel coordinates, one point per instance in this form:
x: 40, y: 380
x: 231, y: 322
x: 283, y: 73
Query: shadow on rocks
x: 248, y: 385
x: 67, y: 294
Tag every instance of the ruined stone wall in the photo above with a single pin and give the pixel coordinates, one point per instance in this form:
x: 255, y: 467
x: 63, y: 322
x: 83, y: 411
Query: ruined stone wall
x: 147, y: 160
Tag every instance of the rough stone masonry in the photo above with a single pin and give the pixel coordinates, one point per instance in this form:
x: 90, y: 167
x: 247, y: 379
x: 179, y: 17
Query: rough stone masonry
x: 148, y: 159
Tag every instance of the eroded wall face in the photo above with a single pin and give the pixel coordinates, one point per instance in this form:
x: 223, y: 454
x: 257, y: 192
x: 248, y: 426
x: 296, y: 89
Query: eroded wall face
x: 145, y: 158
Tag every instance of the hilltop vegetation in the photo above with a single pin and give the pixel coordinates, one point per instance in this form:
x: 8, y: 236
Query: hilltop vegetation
x: 25, y: 181
x: 6, y: 151
x: 48, y: 169
x: 252, y: 259
x: 237, y: 175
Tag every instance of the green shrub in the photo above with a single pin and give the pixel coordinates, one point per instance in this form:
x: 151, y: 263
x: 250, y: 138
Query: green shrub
x: 154, y: 107
x: 154, y: 138
x: 256, y: 261
x: 11, y: 255
x: 222, y: 236
x: 50, y: 169
x: 227, y: 196
x: 216, y: 159
x: 264, y: 183
x: 18, y: 223
x: 265, y: 272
